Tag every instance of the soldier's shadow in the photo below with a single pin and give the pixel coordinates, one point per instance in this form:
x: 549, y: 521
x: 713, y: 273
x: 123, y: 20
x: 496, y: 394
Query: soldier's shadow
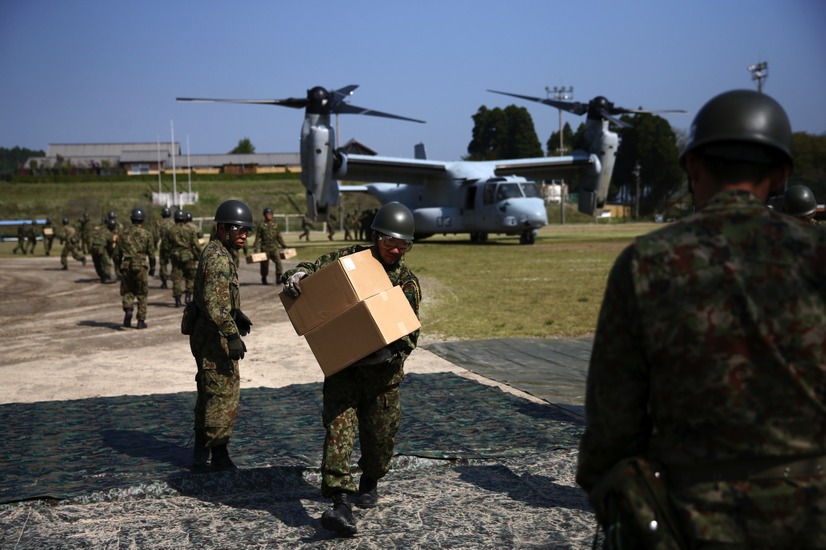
x: 99, y: 324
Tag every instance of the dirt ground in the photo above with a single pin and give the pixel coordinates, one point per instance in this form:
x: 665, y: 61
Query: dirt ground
x: 62, y: 339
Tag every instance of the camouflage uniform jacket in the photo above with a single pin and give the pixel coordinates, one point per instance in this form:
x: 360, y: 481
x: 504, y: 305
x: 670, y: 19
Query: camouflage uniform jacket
x: 711, y: 349
x: 133, y: 249
x: 183, y: 243
x: 164, y: 231
x: 267, y: 237
x: 400, y: 275
x: 68, y: 234
x: 216, y: 291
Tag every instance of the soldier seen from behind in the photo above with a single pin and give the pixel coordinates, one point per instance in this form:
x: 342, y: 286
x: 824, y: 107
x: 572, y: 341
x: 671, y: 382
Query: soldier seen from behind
x: 161, y: 235
x: 184, y: 252
x: 268, y: 239
x: 134, y: 255
x: 31, y: 236
x: 709, y: 362
x: 21, y: 240
x: 102, y: 247
x: 215, y: 325
x: 71, y: 245
x: 364, y: 398
x: 800, y: 202
x: 48, y: 236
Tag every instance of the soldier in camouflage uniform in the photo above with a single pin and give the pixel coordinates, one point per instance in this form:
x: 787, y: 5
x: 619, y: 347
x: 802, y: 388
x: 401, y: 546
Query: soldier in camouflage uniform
x: 21, y: 240
x: 133, y: 248
x: 31, y: 236
x: 709, y: 352
x: 162, y: 228
x: 48, y: 236
x: 71, y: 245
x: 101, y: 247
x: 215, y: 340
x: 268, y: 239
x: 84, y: 233
x: 184, y: 253
x: 364, y: 398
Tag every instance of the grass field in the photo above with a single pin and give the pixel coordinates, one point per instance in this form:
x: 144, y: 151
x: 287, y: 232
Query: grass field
x: 497, y: 290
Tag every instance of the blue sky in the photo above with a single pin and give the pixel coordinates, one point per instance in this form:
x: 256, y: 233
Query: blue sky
x: 95, y: 71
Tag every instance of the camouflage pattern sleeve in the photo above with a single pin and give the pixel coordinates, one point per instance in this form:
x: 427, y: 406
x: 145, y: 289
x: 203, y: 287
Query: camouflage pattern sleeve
x: 220, y: 290
x: 617, y: 387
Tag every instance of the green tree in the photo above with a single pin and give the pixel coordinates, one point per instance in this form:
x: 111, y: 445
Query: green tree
x: 651, y: 144
x: 244, y: 147
x: 15, y: 158
x: 503, y: 134
x: 552, y: 145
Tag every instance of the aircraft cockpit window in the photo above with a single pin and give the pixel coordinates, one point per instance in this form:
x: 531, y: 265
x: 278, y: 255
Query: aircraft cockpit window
x: 530, y: 190
x: 508, y: 191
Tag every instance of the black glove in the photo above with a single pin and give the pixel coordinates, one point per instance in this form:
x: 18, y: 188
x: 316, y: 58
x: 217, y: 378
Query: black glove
x: 242, y: 322
x: 236, y: 347
x: 292, y: 286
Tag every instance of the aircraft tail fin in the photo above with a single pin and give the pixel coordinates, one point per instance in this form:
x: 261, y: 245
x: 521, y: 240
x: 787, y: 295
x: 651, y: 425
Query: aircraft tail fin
x: 419, y: 152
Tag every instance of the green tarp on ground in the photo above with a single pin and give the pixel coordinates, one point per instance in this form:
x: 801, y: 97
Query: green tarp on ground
x: 63, y: 449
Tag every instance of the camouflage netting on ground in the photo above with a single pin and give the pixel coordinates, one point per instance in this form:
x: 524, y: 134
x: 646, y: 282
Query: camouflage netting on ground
x: 107, y: 449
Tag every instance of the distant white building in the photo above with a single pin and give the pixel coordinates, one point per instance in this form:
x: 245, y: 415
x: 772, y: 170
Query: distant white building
x: 150, y: 158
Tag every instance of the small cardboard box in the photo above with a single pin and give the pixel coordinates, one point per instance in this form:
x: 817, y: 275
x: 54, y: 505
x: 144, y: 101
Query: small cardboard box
x: 335, y: 288
x: 287, y: 253
x: 48, y: 231
x: 258, y: 257
x: 362, y: 329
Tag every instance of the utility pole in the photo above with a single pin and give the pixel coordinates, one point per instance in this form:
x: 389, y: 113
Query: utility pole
x: 636, y: 172
x: 759, y: 72
x: 560, y: 93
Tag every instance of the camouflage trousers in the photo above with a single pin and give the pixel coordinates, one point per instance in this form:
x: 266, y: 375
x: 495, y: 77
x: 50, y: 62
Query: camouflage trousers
x: 219, y: 386
x: 134, y: 286
x: 73, y: 249
x: 363, y: 399
x: 102, y: 262
x: 183, y: 276
x: 275, y: 257
x: 163, y: 261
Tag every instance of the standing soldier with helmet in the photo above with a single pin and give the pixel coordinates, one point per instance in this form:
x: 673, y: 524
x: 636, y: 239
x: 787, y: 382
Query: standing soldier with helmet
x: 268, y: 239
x: 184, y: 253
x: 705, y: 399
x: 100, y: 240
x: 84, y: 233
x: 364, y: 398
x: 215, y: 325
x: 162, y: 228
x: 799, y: 201
x: 71, y: 245
x: 31, y: 235
x: 21, y: 240
x: 131, y: 253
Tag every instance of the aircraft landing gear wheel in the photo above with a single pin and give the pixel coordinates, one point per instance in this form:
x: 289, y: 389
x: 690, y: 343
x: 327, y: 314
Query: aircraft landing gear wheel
x: 528, y: 237
x: 478, y: 237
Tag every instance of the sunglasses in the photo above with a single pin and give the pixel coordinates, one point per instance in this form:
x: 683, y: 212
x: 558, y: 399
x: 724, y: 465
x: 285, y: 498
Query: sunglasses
x: 389, y: 243
x: 239, y: 229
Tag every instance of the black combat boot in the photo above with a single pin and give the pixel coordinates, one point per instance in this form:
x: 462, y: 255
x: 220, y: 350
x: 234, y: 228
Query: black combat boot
x: 83, y: 261
x: 200, y: 454
x: 264, y: 280
x: 278, y: 278
x: 368, y: 495
x: 340, y: 517
x: 141, y: 323
x: 163, y: 283
x: 221, y: 461
x: 178, y: 301
x: 188, y: 297
x: 127, y: 317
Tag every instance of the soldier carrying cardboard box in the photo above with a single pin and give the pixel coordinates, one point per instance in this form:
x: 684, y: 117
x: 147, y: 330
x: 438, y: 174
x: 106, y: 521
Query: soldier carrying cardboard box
x: 364, y: 398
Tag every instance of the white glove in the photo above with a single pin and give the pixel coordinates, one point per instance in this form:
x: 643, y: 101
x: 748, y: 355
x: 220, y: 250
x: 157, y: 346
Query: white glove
x: 292, y: 286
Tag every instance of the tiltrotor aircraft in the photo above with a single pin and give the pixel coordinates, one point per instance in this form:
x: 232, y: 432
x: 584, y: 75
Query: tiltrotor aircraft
x: 475, y: 197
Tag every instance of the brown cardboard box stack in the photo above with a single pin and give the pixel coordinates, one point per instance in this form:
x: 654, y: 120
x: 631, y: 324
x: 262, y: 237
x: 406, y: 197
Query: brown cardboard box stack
x: 349, y: 309
x: 287, y: 253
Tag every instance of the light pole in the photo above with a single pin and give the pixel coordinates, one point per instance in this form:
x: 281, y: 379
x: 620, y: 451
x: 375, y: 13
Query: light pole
x: 759, y: 72
x: 560, y: 93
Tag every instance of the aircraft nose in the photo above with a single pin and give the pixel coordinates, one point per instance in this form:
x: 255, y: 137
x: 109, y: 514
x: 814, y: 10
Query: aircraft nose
x: 532, y: 214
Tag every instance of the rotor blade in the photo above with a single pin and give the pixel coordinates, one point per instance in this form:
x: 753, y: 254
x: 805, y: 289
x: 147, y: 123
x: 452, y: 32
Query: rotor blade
x: 346, y: 108
x: 296, y: 103
x: 342, y: 93
x: 618, y: 110
x: 607, y: 116
x: 574, y: 107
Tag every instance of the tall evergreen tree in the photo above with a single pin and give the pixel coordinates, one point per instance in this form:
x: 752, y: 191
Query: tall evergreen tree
x: 503, y: 134
x: 244, y: 147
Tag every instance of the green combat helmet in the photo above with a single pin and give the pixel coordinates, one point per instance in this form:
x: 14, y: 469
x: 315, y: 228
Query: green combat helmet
x: 394, y: 220
x: 138, y: 215
x: 741, y: 125
x: 234, y: 212
x: 799, y: 201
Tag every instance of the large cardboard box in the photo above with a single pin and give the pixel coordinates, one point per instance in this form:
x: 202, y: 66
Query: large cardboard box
x: 258, y: 257
x: 287, y: 253
x: 335, y: 288
x: 362, y: 329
